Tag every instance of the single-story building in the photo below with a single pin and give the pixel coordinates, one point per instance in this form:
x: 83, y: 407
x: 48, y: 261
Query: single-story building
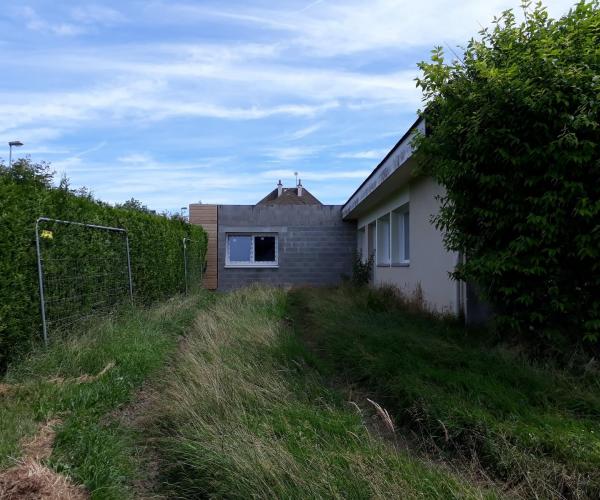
x: 290, y: 238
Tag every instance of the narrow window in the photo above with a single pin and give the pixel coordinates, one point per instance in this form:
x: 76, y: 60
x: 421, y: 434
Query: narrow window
x: 406, y: 228
x: 383, y: 240
x: 372, y: 243
x: 400, y: 236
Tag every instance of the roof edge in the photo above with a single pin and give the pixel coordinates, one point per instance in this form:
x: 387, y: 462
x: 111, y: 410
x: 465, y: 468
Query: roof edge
x: 390, y: 153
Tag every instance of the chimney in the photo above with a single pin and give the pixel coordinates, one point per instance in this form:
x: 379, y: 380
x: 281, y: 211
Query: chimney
x: 299, y: 186
x: 279, y: 188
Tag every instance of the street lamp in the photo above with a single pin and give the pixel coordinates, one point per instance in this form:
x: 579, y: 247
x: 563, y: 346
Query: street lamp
x: 10, y: 146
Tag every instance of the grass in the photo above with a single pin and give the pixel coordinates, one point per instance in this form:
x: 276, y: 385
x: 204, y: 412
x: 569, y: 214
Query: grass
x: 242, y: 414
x: 536, y: 428
x: 91, y: 448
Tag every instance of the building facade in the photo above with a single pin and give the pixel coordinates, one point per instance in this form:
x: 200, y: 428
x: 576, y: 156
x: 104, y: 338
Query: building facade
x: 393, y: 209
x: 287, y: 239
x: 290, y: 238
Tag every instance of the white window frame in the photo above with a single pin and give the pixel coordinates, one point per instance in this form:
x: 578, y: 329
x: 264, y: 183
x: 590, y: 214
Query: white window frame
x: 381, y: 248
x: 251, y: 262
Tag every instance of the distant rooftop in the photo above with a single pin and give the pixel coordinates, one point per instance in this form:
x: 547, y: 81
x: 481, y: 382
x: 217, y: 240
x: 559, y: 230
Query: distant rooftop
x: 289, y: 196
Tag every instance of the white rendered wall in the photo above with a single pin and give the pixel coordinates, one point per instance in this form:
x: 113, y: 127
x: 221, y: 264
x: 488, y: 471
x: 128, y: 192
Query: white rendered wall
x: 430, y: 262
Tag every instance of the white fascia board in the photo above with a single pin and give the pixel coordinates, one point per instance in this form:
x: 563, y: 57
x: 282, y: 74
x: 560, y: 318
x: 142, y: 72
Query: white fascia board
x: 392, y: 162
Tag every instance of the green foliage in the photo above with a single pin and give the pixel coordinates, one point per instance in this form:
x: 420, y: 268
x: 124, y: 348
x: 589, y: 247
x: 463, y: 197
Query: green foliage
x: 26, y: 193
x: 92, y: 445
x: 133, y: 204
x: 361, y: 270
x: 535, y: 428
x: 514, y: 137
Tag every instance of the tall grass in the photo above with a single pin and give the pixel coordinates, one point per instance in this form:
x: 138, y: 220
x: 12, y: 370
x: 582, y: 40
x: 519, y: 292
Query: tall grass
x: 535, y: 427
x: 67, y: 381
x: 243, y: 415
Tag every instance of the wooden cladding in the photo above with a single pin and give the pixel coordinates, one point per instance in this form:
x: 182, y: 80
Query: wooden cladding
x: 207, y: 217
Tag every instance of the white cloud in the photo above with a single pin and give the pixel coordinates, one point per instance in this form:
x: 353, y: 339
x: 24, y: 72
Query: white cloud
x: 292, y: 153
x: 142, y: 100
x: 329, y: 28
x: 34, y: 135
x: 371, y: 154
x: 303, y: 132
x: 136, y: 158
x: 96, y: 14
x: 316, y: 176
x: 36, y: 23
x: 192, y: 64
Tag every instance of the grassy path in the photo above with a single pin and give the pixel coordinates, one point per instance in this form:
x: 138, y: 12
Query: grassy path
x: 79, y: 381
x: 243, y: 413
x: 243, y: 405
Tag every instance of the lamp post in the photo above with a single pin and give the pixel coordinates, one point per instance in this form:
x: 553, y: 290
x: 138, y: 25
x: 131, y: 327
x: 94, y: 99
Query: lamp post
x: 10, y: 146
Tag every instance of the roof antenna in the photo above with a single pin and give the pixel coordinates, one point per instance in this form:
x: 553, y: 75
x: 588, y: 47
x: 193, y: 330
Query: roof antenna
x: 296, y: 174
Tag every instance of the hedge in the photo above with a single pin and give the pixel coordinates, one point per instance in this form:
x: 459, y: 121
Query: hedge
x: 514, y: 138
x: 26, y: 193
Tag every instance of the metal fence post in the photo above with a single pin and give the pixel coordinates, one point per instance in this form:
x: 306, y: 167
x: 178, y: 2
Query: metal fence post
x: 185, y: 271
x: 129, y: 267
x: 203, y: 255
x: 41, y: 281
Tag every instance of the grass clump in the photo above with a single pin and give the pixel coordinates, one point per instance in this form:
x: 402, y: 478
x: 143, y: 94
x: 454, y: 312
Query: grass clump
x: 535, y: 427
x: 243, y: 415
x: 81, y: 379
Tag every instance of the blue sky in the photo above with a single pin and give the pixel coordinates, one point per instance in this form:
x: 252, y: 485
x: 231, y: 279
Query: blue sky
x: 174, y: 102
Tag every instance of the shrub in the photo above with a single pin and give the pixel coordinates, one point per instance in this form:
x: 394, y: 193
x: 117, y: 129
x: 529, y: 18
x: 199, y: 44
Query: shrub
x: 26, y: 193
x: 513, y: 136
x: 361, y: 270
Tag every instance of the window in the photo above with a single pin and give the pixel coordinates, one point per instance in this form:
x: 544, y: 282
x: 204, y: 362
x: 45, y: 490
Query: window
x: 371, y: 244
x: 254, y: 250
x: 400, y: 236
x: 362, y: 251
x: 383, y: 240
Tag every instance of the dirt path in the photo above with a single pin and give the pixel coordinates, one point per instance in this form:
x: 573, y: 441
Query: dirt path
x: 137, y: 417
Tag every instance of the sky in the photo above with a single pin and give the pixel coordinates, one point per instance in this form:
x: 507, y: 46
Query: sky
x: 178, y: 102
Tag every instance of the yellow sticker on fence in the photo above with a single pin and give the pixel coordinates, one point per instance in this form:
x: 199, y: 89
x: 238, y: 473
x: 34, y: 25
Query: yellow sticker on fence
x: 47, y: 234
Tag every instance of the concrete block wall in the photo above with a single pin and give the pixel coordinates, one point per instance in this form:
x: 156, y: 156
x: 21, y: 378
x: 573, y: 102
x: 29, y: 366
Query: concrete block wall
x: 316, y: 247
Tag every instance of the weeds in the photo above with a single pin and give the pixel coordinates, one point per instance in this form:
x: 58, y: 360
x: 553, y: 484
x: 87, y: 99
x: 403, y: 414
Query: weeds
x: 83, y: 377
x: 534, y: 427
x: 243, y: 415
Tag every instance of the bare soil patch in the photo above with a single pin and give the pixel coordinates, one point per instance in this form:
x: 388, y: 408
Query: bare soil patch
x: 30, y: 479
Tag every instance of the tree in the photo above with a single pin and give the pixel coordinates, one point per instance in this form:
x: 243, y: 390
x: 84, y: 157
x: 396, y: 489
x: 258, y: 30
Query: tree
x: 513, y: 136
x: 133, y: 204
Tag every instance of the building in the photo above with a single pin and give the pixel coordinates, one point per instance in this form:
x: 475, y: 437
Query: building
x: 393, y: 210
x: 289, y: 237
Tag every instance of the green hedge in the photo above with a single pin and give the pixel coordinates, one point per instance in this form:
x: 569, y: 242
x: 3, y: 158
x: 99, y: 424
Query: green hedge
x: 514, y: 138
x: 26, y: 193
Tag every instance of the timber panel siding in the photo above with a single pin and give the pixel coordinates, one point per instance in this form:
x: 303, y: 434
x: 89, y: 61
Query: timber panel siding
x: 207, y: 217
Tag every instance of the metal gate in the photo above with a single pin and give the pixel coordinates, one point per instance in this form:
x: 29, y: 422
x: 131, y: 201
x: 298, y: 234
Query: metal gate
x: 82, y: 269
